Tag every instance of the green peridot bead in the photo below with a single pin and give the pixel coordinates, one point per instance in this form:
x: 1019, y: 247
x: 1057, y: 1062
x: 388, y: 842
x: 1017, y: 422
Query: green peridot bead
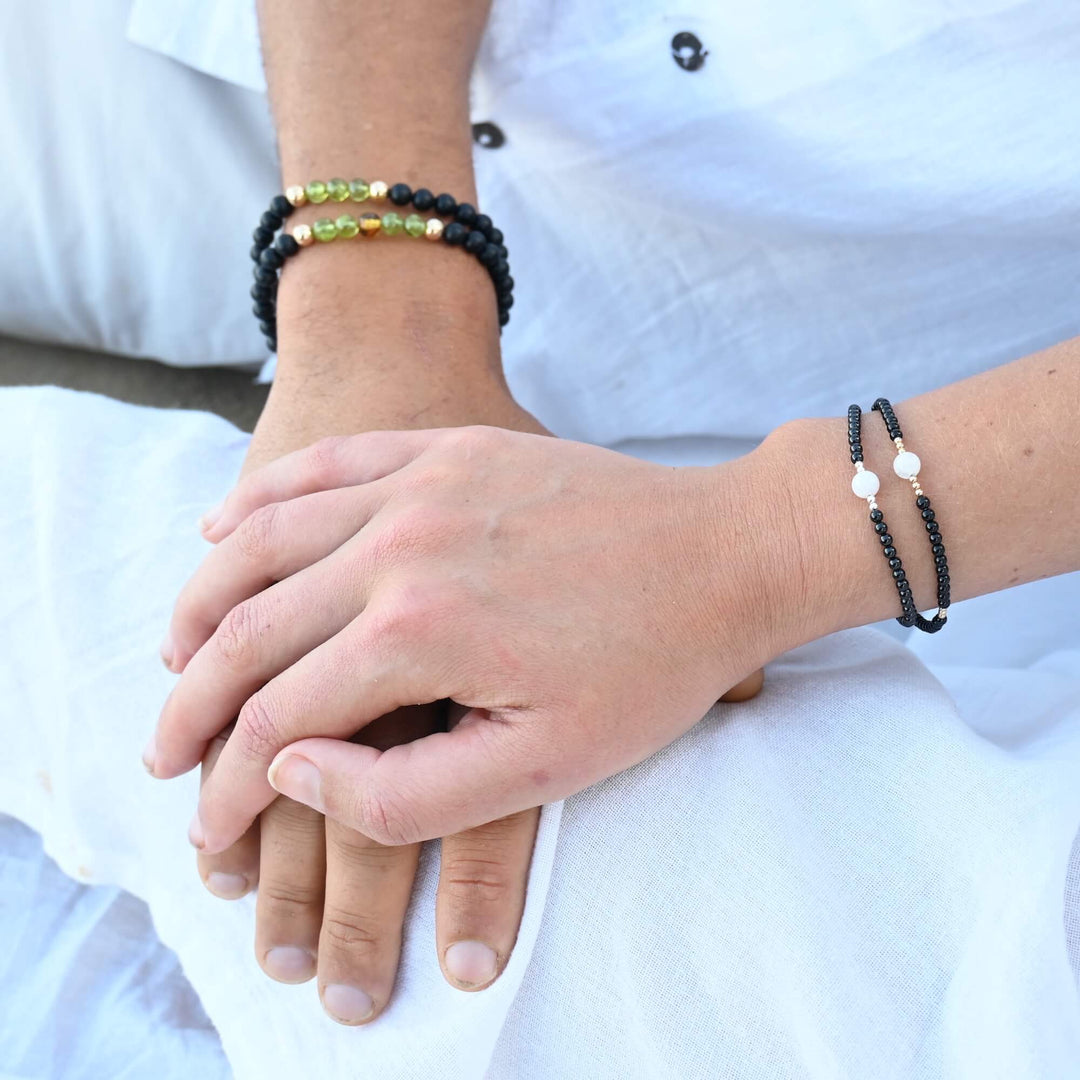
x: 392, y: 224
x: 415, y: 225
x: 316, y: 191
x: 346, y: 226
x: 359, y: 191
x: 337, y: 189
x: 324, y: 229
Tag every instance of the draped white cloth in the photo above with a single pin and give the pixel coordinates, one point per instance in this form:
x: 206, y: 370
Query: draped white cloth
x: 860, y: 873
x: 866, y: 872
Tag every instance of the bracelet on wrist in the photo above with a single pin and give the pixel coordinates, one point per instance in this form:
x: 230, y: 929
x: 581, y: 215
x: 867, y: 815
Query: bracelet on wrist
x: 866, y: 484
x: 469, y: 229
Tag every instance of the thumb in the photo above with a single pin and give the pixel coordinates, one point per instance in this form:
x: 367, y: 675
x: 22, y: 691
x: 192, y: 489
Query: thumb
x: 436, y: 786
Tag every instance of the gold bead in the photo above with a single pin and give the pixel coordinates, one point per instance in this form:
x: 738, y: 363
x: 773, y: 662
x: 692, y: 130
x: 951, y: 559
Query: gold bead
x: 296, y: 194
x: 378, y: 189
x: 433, y: 229
x: 303, y: 235
x: 369, y: 224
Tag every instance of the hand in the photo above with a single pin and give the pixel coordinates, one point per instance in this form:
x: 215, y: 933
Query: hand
x: 329, y: 898
x: 585, y: 607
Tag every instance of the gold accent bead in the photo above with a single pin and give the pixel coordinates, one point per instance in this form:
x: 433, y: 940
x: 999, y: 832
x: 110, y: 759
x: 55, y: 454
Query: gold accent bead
x: 378, y: 189
x: 433, y: 230
x: 296, y: 194
x: 303, y: 235
x: 370, y: 224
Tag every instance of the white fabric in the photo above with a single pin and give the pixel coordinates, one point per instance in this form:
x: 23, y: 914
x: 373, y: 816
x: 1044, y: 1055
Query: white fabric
x: 845, y: 877
x: 881, y: 190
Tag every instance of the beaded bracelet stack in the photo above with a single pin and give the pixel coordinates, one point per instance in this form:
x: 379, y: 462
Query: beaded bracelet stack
x: 866, y: 485
x: 468, y: 229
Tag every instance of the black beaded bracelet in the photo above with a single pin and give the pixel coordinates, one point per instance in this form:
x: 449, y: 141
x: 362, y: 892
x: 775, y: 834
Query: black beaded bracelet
x: 470, y: 230
x: 866, y: 484
x: 906, y: 465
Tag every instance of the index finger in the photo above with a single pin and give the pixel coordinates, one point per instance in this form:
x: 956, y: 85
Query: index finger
x: 333, y: 462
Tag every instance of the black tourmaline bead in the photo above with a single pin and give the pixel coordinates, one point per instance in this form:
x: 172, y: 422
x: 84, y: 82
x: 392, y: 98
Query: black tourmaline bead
x: 261, y: 292
x: 938, y: 549
x: 400, y: 194
x: 506, y: 284
x: 286, y: 245
x: 446, y: 205
x: 256, y: 252
x: 270, y: 221
x: 267, y: 327
x: 265, y: 275
x: 264, y: 309
x: 500, y: 270
x: 935, y: 538
x: 490, y: 255
x: 886, y: 539
x: 940, y: 560
x: 504, y: 317
x: 876, y: 515
x: 466, y: 214
x: 262, y: 236
x: 504, y: 251
x: 922, y: 502
x: 272, y: 258
x: 496, y: 235
x: 281, y: 206
x: 506, y: 302
x: 880, y: 527
x: 484, y: 224
x: 422, y: 199
x: 475, y: 242
x: 900, y: 575
x: 895, y: 563
x: 856, y: 456
x: 931, y: 526
x: 888, y: 552
x: 271, y: 344
x: 455, y: 233
x: 928, y: 514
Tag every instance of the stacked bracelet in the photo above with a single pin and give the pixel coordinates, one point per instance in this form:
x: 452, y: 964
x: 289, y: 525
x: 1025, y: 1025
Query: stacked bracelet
x: 866, y: 484
x: 470, y: 230
x: 906, y: 465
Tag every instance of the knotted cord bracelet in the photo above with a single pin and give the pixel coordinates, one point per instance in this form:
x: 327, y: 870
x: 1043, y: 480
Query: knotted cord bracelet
x: 866, y: 484
x: 906, y: 465
x: 470, y: 229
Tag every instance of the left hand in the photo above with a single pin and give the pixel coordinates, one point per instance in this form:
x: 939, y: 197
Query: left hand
x: 585, y: 607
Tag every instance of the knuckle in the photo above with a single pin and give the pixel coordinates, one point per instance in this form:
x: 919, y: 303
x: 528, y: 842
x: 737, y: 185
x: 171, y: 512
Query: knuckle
x: 258, y: 731
x: 471, y: 879
x: 349, y: 931
x: 285, y: 898
x: 323, y: 463
x: 255, y: 537
x: 236, y: 638
x: 474, y: 439
x: 385, y: 819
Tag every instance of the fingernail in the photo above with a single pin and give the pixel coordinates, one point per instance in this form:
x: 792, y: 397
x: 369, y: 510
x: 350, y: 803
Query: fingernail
x: 471, y: 963
x: 297, y: 778
x: 289, y: 963
x: 149, y: 754
x: 227, y: 886
x: 195, y: 833
x: 167, y: 650
x: 210, y: 518
x: 347, y: 1004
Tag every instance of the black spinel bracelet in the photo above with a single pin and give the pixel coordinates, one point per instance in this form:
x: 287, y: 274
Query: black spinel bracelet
x: 865, y: 484
x: 470, y: 230
x: 906, y: 465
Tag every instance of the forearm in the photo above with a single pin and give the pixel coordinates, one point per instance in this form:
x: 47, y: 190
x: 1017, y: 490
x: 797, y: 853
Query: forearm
x: 381, y: 93
x: 1000, y: 461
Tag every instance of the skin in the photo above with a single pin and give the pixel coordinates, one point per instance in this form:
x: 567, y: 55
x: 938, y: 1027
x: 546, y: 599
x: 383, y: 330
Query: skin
x: 473, y: 565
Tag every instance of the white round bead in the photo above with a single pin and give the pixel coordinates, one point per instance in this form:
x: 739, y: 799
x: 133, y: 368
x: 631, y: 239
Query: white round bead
x: 906, y: 465
x: 865, y: 484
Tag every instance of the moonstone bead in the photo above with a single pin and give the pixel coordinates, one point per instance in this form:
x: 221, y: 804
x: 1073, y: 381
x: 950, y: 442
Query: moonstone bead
x: 865, y: 484
x: 906, y: 465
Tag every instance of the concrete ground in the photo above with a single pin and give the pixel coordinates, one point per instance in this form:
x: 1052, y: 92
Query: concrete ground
x: 230, y: 394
